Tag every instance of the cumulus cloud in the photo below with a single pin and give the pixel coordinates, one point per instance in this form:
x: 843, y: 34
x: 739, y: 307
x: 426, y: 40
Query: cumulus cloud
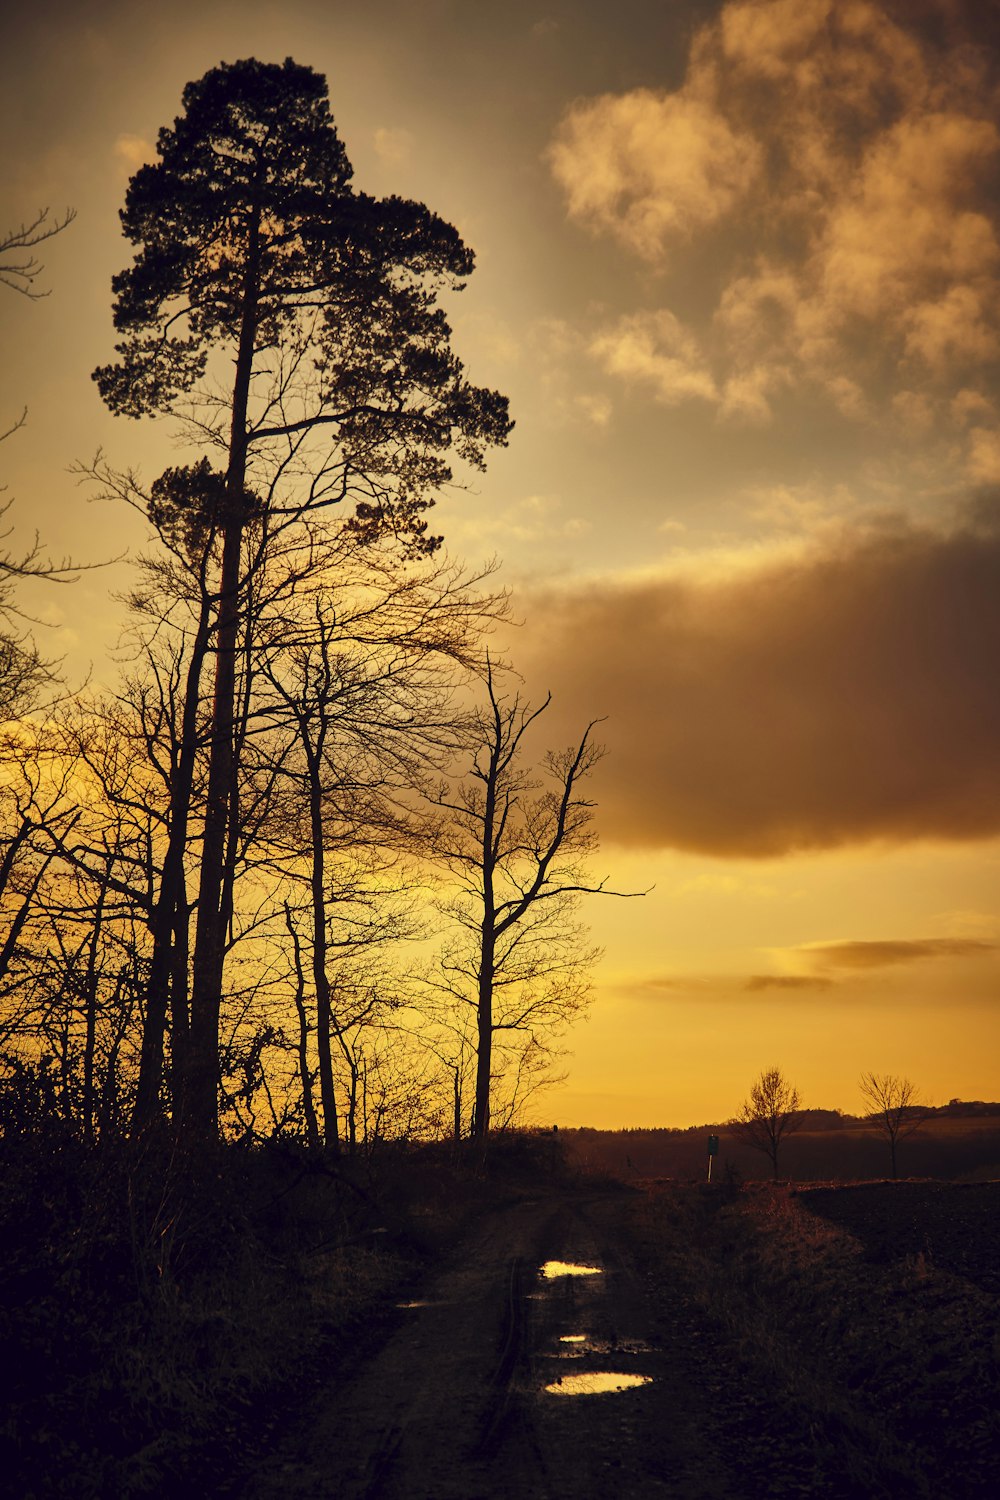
x: 841, y: 693
x: 651, y: 168
x: 655, y: 350
x: 984, y: 455
x: 844, y: 159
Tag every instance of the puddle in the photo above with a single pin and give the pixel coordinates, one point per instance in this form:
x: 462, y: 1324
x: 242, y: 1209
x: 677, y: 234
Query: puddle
x: 421, y: 1302
x: 572, y: 1338
x: 553, y: 1268
x: 595, y: 1383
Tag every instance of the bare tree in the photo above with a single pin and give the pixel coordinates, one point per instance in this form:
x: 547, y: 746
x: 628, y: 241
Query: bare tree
x: 19, y: 268
x: 517, y: 850
x: 362, y: 687
x: 893, y: 1107
x: 23, y: 672
x: 770, y: 1114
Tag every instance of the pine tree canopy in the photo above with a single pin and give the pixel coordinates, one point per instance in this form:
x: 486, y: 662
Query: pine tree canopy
x: 251, y: 239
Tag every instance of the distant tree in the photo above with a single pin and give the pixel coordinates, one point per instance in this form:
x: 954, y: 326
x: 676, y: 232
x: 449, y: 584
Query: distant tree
x: 293, y: 326
x: 771, y: 1113
x: 893, y: 1107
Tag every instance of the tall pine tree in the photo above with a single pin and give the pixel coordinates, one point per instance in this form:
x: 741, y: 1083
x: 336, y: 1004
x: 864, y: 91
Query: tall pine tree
x: 259, y: 272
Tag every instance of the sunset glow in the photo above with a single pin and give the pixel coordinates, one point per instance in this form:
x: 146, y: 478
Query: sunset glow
x: 738, y: 270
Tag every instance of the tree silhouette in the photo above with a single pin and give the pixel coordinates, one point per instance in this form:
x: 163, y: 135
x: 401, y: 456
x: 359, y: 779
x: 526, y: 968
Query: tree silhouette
x: 252, y: 245
x: 362, y: 690
x: 893, y: 1106
x: 769, y: 1114
x: 19, y: 269
x: 517, y: 848
x: 23, y: 672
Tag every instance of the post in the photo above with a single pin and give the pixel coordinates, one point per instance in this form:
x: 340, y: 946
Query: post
x: 713, y: 1148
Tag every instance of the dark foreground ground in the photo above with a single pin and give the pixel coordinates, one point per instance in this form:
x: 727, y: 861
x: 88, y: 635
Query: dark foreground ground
x: 273, y: 1325
x: 841, y: 1342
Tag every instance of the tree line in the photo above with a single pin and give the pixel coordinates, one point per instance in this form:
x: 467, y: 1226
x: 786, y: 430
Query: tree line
x: 302, y: 872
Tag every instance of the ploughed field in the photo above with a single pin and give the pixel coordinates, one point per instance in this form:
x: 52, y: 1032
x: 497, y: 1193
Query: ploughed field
x: 954, y: 1227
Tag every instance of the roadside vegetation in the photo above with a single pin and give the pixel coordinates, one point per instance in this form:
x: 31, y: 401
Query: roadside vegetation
x: 883, y: 1359
x: 158, y: 1315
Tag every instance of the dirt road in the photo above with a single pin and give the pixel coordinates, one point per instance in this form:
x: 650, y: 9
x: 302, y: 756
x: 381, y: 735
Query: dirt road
x: 485, y: 1390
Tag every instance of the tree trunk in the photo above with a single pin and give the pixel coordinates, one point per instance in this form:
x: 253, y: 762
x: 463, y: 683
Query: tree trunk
x: 202, y: 1103
x: 305, y: 1075
x: 321, y: 980
x: 487, y: 946
x: 90, y: 986
x: 484, y: 1051
x: 167, y: 983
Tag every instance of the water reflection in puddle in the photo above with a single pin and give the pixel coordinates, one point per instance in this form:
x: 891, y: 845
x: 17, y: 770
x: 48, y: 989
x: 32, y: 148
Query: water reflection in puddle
x: 595, y: 1383
x: 553, y: 1268
x: 420, y: 1302
x: 572, y: 1338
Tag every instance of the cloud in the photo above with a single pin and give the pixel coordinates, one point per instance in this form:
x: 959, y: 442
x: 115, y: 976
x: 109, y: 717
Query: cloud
x: 393, y: 147
x: 651, y: 168
x: 984, y: 455
x: 827, y: 174
x: 596, y: 409
x: 133, y: 151
x: 877, y: 955
x: 725, y: 987
x: 683, y: 985
x: 531, y: 518
x: 968, y: 922
x: 655, y: 350
x: 788, y: 982
x: 841, y: 692
x: 716, y: 884
x: 953, y: 329
x: 907, y: 223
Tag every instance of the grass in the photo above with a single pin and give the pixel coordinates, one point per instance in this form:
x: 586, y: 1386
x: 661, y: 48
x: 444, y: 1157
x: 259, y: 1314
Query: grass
x: 891, y: 1366
x: 157, y: 1315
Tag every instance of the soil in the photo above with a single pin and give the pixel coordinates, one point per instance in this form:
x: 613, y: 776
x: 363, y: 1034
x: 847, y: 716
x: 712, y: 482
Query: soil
x: 953, y: 1226
x: 468, y: 1396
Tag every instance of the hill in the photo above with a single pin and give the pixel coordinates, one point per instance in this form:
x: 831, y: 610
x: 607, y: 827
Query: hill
x: 957, y: 1142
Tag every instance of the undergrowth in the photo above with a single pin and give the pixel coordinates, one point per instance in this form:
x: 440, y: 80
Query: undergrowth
x: 160, y: 1312
x: 154, y: 1309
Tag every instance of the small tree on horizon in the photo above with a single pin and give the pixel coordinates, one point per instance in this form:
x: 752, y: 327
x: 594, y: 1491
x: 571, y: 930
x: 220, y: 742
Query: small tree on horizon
x: 771, y: 1113
x: 893, y: 1107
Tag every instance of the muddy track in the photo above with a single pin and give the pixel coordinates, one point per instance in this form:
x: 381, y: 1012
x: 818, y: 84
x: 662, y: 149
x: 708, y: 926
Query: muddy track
x: 470, y: 1396
x: 462, y: 1400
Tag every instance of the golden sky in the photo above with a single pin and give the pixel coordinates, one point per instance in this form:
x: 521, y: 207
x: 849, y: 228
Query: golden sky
x: 739, y: 273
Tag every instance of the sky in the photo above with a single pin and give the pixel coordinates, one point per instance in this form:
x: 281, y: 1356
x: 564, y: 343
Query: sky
x: 738, y: 270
